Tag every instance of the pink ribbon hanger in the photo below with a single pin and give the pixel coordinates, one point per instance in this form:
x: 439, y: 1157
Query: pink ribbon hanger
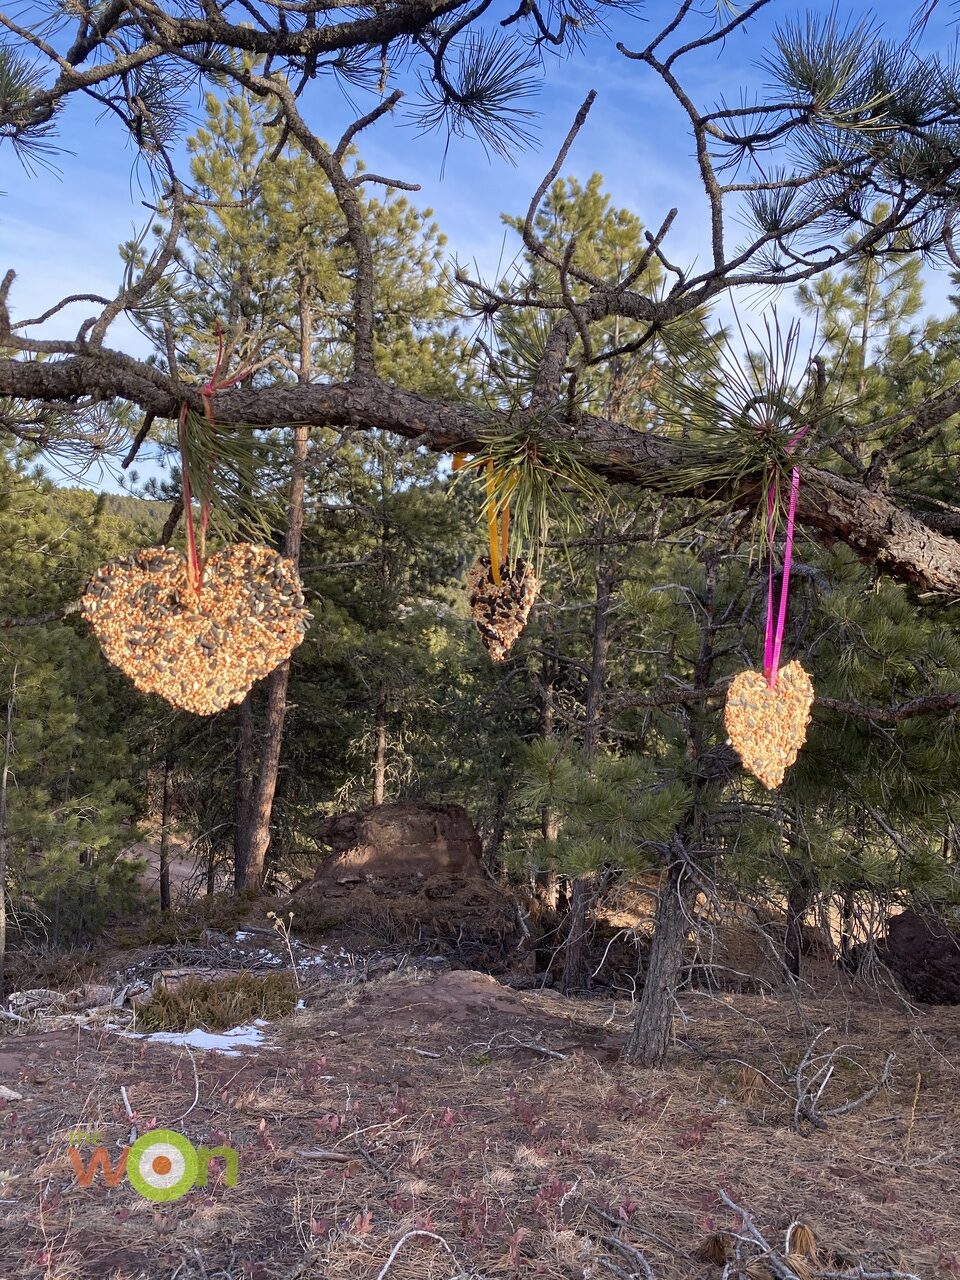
x: 773, y: 632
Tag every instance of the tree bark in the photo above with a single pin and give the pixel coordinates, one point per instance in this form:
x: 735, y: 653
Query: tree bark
x: 575, y: 949
x: 380, y: 745
x: 244, y: 770
x: 846, y: 928
x: 256, y: 836
x: 499, y: 827
x: 798, y: 903
x: 545, y: 881
x: 4, y: 831
x: 651, y: 1033
x: 165, y: 810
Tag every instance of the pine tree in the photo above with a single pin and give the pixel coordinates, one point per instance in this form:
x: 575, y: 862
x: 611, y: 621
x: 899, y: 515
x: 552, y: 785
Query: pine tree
x: 578, y: 224
x: 266, y: 257
x: 71, y: 723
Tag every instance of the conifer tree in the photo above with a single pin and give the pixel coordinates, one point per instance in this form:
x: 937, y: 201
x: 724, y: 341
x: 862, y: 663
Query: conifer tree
x: 579, y: 224
x: 71, y: 725
x: 265, y: 257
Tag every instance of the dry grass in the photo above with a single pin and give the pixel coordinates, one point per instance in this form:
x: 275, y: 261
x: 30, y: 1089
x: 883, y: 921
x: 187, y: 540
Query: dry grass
x: 436, y: 1107
x: 216, y: 1006
x: 219, y: 911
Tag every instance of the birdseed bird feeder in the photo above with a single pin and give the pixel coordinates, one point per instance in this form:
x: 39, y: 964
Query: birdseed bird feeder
x: 501, y: 591
x: 200, y: 644
x: 198, y: 632
x: 766, y: 716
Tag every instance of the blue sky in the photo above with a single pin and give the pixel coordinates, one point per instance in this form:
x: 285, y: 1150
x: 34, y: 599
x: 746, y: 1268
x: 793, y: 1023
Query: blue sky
x: 60, y: 231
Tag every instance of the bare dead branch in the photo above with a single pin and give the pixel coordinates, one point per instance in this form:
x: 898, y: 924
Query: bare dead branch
x: 530, y: 237
x: 172, y: 520
x: 138, y: 440
x: 382, y: 109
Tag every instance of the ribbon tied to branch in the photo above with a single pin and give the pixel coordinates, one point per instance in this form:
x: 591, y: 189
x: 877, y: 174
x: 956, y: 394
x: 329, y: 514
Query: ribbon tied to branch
x: 775, y: 627
x: 197, y: 546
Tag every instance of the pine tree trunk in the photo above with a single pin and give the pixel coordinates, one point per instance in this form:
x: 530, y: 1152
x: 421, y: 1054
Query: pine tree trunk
x: 4, y: 833
x: 380, y: 746
x: 546, y: 888
x: 597, y: 678
x: 257, y: 841
x: 499, y: 828
x: 255, y: 833
x: 165, y: 840
x: 798, y: 900
x: 650, y: 1036
x: 576, y: 976
x: 846, y: 929
x: 545, y: 882
x: 243, y: 775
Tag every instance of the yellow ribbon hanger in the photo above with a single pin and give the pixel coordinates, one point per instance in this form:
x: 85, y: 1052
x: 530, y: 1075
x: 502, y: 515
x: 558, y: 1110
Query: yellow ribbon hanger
x: 498, y: 531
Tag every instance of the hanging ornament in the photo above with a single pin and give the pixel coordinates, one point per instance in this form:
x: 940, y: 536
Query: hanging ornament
x: 500, y: 608
x: 501, y: 592
x: 197, y: 632
x: 201, y: 649
x: 766, y: 716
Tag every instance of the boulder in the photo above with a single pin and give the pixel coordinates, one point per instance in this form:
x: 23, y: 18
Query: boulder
x: 924, y: 954
x: 409, y: 875
x: 399, y: 841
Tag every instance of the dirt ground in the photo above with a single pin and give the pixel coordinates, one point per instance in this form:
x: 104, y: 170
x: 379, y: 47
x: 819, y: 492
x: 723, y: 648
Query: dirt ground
x: 500, y: 1129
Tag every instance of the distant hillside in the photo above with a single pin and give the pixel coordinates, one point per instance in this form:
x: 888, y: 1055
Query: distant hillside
x: 147, y: 510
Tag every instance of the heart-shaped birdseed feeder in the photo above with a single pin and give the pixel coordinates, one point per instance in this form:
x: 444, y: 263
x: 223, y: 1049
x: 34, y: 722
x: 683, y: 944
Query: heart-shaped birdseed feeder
x: 202, y: 646
x: 768, y: 724
x: 500, y: 609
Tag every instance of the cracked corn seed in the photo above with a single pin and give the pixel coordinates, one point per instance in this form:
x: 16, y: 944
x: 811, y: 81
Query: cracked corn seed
x: 201, y: 650
x: 768, y: 726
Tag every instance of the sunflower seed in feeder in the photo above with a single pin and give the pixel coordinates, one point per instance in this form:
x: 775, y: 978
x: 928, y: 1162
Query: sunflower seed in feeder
x: 500, y: 609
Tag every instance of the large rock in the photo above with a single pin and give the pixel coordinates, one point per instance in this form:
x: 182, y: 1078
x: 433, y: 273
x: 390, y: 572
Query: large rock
x: 410, y: 875
x: 397, y: 841
x: 924, y: 954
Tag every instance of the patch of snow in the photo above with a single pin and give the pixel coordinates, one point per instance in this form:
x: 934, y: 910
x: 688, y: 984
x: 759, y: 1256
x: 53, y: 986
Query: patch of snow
x: 231, y: 1043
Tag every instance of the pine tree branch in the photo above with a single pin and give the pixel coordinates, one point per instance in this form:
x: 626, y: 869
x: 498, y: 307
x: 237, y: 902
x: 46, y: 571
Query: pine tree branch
x: 880, y: 530
x: 932, y: 704
x: 41, y: 619
x: 371, y: 117
x: 138, y: 440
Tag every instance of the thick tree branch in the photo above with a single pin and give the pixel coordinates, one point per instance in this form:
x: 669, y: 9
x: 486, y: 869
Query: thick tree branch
x: 930, y: 704
x: 835, y: 507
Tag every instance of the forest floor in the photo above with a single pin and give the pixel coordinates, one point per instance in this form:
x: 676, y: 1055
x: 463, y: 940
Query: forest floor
x: 425, y: 1126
